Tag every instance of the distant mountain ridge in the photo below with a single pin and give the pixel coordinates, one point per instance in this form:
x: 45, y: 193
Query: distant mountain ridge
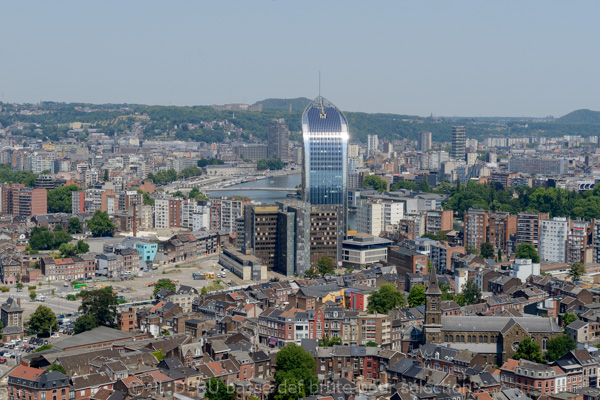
x: 298, y: 104
x: 583, y: 116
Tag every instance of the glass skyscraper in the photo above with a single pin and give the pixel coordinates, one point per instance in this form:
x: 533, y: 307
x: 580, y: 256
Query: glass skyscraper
x: 325, y: 170
x: 325, y: 134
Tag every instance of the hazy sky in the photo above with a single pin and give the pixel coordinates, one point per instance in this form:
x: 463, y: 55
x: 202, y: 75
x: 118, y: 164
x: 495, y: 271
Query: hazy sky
x: 447, y: 57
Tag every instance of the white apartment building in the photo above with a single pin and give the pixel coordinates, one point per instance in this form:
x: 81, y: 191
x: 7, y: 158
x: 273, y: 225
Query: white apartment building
x: 553, y: 239
x: 161, y: 213
x: 372, y: 144
x: 374, y: 217
x: 522, y: 268
x: 369, y: 218
x: 200, y: 220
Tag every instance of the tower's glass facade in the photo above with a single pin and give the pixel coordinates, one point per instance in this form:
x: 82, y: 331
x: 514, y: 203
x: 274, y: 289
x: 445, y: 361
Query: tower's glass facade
x: 325, y: 134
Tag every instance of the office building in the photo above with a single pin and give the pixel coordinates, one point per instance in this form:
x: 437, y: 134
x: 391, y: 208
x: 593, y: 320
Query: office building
x: 553, y: 239
x: 372, y: 144
x: 291, y: 236
x: 459, y: 141
x: 424, y: 141
x: 325, y: 171
x: 364, y: 250
x: 278, y: 137
x: 538, y: 166
x: 251, y: 151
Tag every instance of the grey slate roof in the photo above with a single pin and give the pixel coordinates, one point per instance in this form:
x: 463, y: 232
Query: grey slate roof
x: 498, y: 324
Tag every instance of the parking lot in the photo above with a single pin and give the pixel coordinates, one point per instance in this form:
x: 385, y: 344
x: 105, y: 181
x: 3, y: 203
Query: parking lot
x: 11, y: 353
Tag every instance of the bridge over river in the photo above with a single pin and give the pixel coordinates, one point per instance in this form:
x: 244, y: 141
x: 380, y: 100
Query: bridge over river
x: 264, y: 189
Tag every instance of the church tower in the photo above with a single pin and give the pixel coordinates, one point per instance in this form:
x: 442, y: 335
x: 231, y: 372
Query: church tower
x: 433, y: 310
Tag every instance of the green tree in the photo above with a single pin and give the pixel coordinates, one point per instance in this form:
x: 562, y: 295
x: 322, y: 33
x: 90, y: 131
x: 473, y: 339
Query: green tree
x: 446, y: 292
x: 371, y: 343
x: 217, y: 390
x: 529, y: 350
x: 105, y: 178
x: 385, y: 299
x: 101, y: 303
x: 294, y: 365
x: 101, y: 225
x: 57, y: 368
x: 84, y: 323
x: 471, y: 292
x: 164, y: 284
x: 32, y: 295
x: 416, y: 297
x: 67, y: 250
x: 487, y: 250
x: 82, y: 247
x: 312, y: 273
x: 559, y: 346
x: 43, y: 320
x: 326, y: 265
x: 330, y: 341
x: 526, y: 250
x: 60, y: 199
x: 402, y: 184
x: 499, y: 255
x: 376, y: 182
x: 74, y: 226
x: 567, y: 318
x: 179, y: 194
x: 19, y: 287
x: 204, y: 290
x: 576, y: 271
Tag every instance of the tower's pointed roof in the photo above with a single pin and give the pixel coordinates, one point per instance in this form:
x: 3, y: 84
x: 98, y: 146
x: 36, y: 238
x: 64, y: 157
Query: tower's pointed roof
x: 321, y: 115
x: 434, y: 287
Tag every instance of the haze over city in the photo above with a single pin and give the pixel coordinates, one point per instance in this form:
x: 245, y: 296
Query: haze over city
x: 459, y: 58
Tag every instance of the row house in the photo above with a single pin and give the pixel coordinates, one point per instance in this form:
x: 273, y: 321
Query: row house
x: 190, y: 246
x: 11, y: 268
x: 280, y: 327
x: 354, y: 362
x: 533, y: 377
x: 32, y: 383
x: 64, y: 269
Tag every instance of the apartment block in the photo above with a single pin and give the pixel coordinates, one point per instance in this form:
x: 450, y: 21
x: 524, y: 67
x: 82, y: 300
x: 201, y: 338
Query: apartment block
x: 438, y: 220
x: 18, y: 200
x: 375, y: 217
x: 553, y: 239
x: 528, y: 228
x: 441, y: 256
x: 375, y: 328
x: 167, y: 213
x: 224, y: 211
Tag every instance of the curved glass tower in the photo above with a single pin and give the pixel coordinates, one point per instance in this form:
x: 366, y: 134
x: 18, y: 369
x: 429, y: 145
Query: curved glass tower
x: 325, y: 175
x: 325, y: 135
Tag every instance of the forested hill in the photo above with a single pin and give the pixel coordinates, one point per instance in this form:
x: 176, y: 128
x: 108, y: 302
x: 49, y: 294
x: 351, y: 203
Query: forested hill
x: 580, y: 117
x: 202, y: 123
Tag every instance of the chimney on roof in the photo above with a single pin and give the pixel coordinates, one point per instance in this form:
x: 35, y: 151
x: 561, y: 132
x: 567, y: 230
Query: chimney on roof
x: 19, y: 302
x: 139, y: 364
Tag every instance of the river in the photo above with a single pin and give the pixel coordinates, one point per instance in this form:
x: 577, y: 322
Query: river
x: 269, y: 197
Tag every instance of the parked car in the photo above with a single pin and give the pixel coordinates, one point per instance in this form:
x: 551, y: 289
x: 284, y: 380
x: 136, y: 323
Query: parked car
x: 55, y: 336
x: 2, y: 360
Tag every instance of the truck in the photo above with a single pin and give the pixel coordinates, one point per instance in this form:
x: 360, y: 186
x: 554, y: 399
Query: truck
x: 40, y: 297
x: 198, y: 276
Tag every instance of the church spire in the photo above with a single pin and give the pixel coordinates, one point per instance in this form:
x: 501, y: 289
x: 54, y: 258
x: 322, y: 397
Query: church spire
x: 434, y: 287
